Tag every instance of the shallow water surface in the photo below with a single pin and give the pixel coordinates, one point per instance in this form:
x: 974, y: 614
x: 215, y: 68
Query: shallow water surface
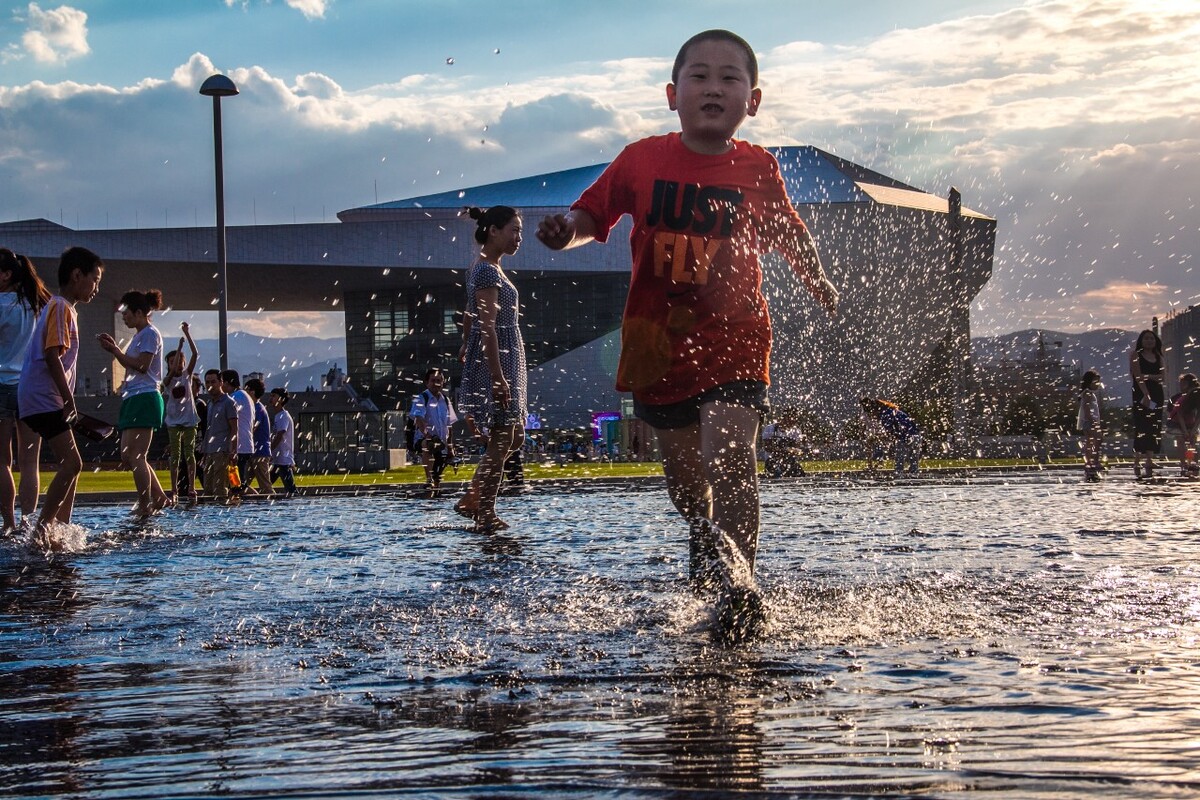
x: 1021, y: 637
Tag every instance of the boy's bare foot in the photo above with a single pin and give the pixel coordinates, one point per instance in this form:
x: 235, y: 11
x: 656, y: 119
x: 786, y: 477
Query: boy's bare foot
x: 490, y: 524
x: 45, y: 540
x: 467, y: 511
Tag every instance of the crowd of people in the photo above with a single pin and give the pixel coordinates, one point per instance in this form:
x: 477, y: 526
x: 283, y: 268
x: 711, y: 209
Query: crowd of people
x: 229, y: 430
x: 695, y: 345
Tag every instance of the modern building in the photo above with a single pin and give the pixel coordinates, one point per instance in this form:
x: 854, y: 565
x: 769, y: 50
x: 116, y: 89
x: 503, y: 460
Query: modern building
x: 1180, y: 334
x: 907, y: 263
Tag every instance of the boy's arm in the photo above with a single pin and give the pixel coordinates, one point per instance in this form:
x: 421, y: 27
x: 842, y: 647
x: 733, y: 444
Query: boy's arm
x: 564, y: 231
x: 417, y: 412
x: 58, y: 375
x: 806, y: 263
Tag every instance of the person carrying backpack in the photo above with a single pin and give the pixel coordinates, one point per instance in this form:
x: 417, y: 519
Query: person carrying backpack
x: 431, y: 416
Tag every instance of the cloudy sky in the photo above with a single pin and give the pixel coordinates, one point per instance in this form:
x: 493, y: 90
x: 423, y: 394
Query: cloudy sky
x: 1076, y: 124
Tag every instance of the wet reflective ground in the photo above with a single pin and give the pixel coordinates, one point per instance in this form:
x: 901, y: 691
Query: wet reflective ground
x: 1033, y: 637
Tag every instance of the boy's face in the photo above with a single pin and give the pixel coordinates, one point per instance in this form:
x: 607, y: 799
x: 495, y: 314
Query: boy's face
x: 82, y: 288
x: 214, y: 386
x: 714, y: 95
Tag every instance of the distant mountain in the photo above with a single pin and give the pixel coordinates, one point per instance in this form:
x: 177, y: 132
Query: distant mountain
x: 1105, y: 349
x: 300, y: 378
x: 299, y: 362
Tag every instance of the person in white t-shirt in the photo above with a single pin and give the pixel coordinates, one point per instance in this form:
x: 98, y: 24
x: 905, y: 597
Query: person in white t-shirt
x: 141, y: 404
x: 22, y: 296
x: 433, y: 414
x: 245, y: 414
x: 181, y: 417
x: 283, y: 439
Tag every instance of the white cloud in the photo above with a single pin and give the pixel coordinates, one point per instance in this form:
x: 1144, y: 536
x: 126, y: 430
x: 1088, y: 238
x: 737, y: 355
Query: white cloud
x: 312, y: 9
x: 55, y: 36
x: 1071, y: 123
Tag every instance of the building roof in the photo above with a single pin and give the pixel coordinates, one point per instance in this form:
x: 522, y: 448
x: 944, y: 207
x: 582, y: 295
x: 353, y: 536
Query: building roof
x: 810, y: 175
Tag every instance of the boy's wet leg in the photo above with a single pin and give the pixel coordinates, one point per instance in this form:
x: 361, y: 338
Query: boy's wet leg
x: 688, y: 488
x: 728, y: 434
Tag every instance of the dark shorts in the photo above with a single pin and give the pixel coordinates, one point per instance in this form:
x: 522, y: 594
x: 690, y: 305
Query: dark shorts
x: 47, y: 424
x: 8, y: 401
x: 751, y: 394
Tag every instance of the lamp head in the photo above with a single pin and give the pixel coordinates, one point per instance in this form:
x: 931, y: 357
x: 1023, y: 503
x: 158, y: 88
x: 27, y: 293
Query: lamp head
x: 218, y: 86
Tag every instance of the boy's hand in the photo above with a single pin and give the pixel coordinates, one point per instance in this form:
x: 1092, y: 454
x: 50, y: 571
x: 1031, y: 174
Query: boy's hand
x: 556, y: 231
x: 828, y: 297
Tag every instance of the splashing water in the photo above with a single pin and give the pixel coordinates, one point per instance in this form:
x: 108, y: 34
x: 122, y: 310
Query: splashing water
x: 1024, y: 636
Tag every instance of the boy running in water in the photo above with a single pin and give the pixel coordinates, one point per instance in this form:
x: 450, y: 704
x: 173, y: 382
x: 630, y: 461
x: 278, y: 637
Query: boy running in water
x: 696, y: 337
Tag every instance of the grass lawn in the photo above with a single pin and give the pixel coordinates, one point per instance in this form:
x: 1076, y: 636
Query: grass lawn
x: 113, y: 480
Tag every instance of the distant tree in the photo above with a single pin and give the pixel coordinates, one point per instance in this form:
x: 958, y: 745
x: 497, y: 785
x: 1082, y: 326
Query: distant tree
x: 1023, y: 417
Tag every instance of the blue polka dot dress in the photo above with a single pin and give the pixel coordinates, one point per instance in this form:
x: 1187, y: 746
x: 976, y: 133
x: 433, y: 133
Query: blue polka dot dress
x: 475, y: 389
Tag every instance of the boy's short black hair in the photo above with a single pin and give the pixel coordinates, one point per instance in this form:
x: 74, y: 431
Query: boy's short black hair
x: 717, y: 35
x: 429, y: 373
x: 231, y: 377
x: 76, y: 258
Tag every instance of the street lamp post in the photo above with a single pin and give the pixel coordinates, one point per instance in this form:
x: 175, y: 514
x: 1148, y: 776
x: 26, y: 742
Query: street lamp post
x: 216, y: 87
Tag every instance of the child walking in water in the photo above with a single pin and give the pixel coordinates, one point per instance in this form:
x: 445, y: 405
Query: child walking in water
x: 1088, y: 423
x: 46, y: 393
x: 141, y: 403
x: 696, y: 337
x: 493, y: 387
x: 22, y: 296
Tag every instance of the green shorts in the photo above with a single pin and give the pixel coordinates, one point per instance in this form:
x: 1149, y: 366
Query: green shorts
x: 143, y: 410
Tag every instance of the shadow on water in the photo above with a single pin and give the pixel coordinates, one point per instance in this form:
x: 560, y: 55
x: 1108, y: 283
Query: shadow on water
x: 1020, y: 638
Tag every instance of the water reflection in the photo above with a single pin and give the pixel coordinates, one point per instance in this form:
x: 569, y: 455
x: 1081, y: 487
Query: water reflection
x: 711, y: 738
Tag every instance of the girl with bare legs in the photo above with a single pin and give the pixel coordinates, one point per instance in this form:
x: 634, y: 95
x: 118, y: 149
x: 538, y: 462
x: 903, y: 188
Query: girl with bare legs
x: 22, y: 296
x: 493, y: 387
x: 141, y: 404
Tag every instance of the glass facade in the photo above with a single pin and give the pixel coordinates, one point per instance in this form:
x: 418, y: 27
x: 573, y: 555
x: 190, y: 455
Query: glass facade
x: 392, y: 339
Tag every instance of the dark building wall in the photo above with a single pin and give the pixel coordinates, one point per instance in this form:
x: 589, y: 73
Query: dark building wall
x: 906, y: 279
x: 393, y: 338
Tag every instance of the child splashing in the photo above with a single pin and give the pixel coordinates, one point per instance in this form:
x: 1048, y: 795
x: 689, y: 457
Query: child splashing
x: 46, y: 394
x: 696, y: 336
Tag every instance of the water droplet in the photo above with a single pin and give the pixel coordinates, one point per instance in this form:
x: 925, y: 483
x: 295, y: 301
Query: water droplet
x: 450, y: 62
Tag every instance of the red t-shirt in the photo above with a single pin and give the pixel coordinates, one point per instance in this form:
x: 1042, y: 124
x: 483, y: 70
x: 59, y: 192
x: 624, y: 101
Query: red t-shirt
x: 695, y: 316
